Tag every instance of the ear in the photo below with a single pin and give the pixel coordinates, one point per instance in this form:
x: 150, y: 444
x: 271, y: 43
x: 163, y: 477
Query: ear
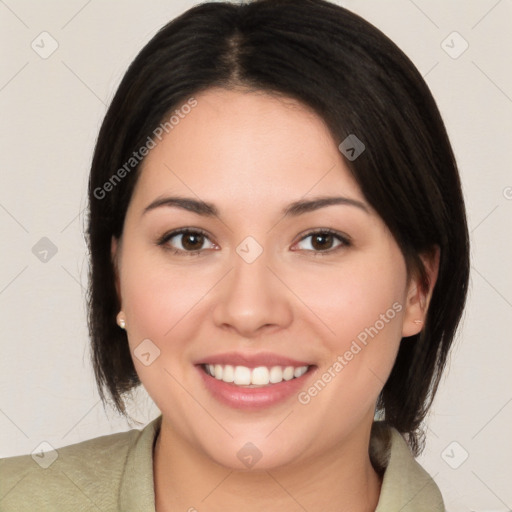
x: 115, y: 251
x: 418, y: 297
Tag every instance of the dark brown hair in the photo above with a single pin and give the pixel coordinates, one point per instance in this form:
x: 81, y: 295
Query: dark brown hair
x: 359, y: 82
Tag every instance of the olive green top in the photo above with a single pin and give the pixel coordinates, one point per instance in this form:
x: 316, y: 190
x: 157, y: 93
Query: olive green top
x: 115, y: 473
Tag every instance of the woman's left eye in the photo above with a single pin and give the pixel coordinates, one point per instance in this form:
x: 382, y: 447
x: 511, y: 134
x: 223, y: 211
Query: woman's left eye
x: 322, y: 241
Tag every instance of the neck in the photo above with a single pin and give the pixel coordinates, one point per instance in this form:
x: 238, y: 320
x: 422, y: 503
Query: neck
x: 337, y: 481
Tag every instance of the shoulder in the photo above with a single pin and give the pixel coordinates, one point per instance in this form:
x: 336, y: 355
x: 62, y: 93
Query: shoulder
x: 82, y: 476
x: 406, y: 486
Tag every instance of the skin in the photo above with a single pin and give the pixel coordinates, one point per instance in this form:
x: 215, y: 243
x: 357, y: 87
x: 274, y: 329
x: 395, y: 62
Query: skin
x: 251, y: 155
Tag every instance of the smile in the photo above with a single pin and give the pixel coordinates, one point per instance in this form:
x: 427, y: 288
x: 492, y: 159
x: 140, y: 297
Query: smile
x: 254, y: 377
x: 253, y: 381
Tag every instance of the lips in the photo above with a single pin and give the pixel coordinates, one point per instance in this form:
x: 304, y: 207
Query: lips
x: 252, y: 360
x: 253, y: 381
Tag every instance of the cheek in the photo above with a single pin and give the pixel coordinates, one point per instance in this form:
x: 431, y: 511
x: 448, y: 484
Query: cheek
x: 158, y: 302
x: 145, y: 299
x: 363, y: 309
x: 355, y: 298
x: 159, y: 299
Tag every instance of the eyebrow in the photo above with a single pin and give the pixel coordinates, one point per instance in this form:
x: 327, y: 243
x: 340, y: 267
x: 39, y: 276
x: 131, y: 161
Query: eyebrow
x: 302, y: 206
x: 294, y: 209
x: 192, y: 205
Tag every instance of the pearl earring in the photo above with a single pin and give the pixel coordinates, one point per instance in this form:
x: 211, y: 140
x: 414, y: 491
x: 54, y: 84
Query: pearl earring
x: 121, y: 321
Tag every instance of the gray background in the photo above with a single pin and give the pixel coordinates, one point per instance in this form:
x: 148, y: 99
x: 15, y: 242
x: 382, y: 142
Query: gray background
x: 51, y: 109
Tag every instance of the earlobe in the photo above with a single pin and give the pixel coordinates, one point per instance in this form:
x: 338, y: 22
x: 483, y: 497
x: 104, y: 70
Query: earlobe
x: 419, y: 295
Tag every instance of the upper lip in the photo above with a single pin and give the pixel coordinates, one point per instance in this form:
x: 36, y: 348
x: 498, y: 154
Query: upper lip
x: 251, y: 360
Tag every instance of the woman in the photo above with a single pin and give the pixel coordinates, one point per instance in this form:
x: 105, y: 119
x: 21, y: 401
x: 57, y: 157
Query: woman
x: 279, y: 254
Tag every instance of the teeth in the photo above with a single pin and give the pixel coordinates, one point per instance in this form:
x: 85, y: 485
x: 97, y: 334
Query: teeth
x: 242, y: 376
x: 260, y: 376
x: 288, y: 373
x: 276, y: 374
x: 299, y: 372
x: 229, y: 373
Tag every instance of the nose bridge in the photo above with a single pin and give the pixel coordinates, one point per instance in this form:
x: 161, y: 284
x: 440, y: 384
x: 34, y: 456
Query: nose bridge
x: 250, y: 277
x: 252, y: 297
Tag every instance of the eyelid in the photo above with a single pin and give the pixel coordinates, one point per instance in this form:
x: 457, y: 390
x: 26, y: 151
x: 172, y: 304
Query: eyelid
x: 162, y: 241
x: 343, y: 238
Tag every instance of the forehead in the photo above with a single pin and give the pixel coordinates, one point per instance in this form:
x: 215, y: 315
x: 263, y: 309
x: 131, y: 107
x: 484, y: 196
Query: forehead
x: 247, y: 145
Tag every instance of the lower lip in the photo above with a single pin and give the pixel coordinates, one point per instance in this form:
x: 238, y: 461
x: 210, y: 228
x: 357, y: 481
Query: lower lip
x: 239, y: 397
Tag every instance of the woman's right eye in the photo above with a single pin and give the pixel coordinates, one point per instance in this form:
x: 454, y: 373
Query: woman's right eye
x: 186, y: 241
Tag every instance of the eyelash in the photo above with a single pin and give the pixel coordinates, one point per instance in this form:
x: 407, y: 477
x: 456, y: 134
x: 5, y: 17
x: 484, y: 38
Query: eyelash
x: 163, y: 240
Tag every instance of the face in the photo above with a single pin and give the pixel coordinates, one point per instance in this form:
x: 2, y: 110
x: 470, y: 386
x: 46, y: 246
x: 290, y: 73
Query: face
x: 265, y: 300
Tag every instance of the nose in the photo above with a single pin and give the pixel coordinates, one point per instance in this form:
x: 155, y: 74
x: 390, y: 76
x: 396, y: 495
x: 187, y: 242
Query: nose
x: 252, y: 300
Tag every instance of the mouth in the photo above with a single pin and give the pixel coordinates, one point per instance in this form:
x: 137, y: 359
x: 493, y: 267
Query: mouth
x: 258, y: 377
x: 253, y: 382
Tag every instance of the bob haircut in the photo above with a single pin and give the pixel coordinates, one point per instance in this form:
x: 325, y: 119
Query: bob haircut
x: 359, y: 82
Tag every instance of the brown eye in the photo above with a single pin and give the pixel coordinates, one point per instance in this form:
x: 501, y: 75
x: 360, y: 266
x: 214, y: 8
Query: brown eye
x: 322, y: 241
x: 192, y: 241
x: 186, y: 241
